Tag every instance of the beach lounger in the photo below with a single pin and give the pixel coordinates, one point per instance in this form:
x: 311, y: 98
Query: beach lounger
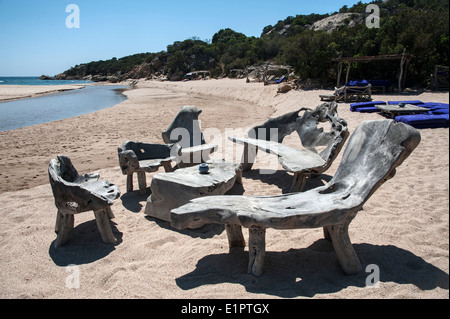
x: 352, y: 91
x: 366, y: 106
x: 280, y: 80
x: 436, y: 108
x: 373, y: 152
x: 385, y: 85
x: 372, y: 109
x: 413, y: 102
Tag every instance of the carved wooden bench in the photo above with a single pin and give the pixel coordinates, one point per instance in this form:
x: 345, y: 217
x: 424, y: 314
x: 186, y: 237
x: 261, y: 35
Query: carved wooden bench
x: 76, y: 194
x: 141, y: 158
x: 373, y: 152
x: 300, y: 161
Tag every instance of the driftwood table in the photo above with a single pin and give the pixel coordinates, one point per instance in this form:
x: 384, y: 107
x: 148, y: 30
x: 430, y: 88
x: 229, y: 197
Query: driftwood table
x: 373, y: 152
x: 174, y: 189
x: 392, y: 111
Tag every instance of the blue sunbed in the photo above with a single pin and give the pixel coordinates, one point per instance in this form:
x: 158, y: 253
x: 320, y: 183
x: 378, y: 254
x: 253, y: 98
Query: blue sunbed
x: 371, y: 109
x: 357, y: 107
x: 425, y: 120
x: 413, y: 102
x: 281, y: 80
x: 436, y: 108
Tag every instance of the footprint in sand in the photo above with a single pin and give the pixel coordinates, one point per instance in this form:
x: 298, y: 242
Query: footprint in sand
x: 109, y: 281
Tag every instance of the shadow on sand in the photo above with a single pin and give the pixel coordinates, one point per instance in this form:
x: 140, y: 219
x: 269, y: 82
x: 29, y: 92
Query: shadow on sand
x: 85, y: 245
x: 314, y: 270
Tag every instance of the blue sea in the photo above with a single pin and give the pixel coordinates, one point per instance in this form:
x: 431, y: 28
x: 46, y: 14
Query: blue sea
x: 34, y: 80
x: 58, y: 106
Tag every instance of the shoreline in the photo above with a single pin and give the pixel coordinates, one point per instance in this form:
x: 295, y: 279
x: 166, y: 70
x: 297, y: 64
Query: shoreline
x: 127, y: 120
x: 403, y: 228
x: 264, y: 97
x: 10, y: 93
x: 45, y: 106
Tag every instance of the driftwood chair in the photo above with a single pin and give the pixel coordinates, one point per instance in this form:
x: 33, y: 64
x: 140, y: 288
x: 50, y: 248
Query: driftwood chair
x: 300, y: 161
x: 76, y: 194
x: 185, y: 130
x: 373, y: 152
x: 141, y: 158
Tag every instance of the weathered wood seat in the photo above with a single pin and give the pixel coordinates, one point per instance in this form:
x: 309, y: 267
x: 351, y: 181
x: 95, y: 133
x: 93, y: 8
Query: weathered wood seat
x: 373, y: 152
x: 76, y: 194
x: 300, y: 161
x: 141, y: 158
x: 185, y: 130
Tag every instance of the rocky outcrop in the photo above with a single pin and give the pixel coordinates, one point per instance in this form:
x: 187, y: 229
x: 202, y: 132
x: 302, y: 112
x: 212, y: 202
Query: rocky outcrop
x: 45, y: 77
x: 332, y: 23
x: 284, y: 87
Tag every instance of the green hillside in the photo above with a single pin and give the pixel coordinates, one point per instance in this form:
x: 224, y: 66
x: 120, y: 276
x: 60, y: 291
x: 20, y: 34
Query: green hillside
x: 421, y: 27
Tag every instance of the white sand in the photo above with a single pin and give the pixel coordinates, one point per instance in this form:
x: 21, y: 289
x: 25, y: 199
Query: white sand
x: 403, y: 229
x: 15, y: 92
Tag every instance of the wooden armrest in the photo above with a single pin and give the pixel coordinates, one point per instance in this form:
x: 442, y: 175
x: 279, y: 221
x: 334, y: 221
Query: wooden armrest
x: 128, y: 162
x: 200, y: 148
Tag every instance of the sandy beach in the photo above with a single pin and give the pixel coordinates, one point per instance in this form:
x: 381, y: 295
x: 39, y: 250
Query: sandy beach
x: 16, y: 92
x: 403, y: 228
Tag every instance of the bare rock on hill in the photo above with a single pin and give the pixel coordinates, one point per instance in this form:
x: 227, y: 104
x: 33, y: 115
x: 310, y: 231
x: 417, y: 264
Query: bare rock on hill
x: 140, y: 71
x: 332, y: 23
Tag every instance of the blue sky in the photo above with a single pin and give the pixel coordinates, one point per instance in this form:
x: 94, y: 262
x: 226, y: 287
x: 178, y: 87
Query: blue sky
x: 34, y: 39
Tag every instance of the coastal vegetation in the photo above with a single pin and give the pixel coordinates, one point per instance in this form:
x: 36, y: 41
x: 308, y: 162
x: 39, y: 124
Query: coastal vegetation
x: 306, y: 42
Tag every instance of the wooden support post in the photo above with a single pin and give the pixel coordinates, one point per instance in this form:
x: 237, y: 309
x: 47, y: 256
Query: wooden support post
x: 340, y: 66
x: 130, y: 182
x: 102, y: 219
x: 348, y: 72
x: 142, y: 182
x: 345, y: 253
x: 235, y: 236
x: 63, y: 227
x: 239, y: 176
x: 406, y: 73
x: 256, y: 250
x: 298, y: 182
x: 167, y: 167
x: 248, y: 157
x: 326, y: 233
x: 400, y: 77
x: 109, y: 212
